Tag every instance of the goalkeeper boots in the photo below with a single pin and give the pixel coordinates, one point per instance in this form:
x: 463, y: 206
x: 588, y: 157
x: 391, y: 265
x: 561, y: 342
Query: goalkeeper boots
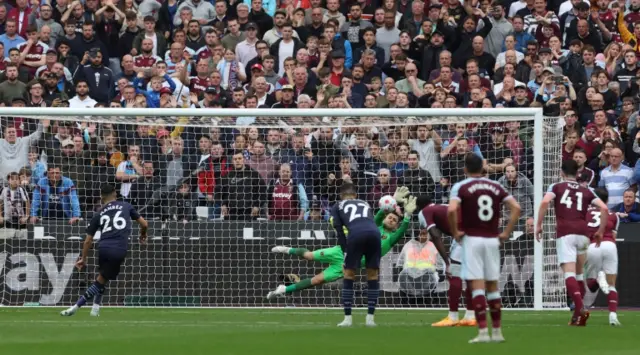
x: 279, y: 291
x: 602, y: 282
x: 280, y: 249
x: 69, y: 311
x: 446, y: 322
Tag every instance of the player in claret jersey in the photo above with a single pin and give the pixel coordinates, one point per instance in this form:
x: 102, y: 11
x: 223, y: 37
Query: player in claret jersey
x: 433, y: 218
x: 479, y: 201
x: 571, y: 202
x: 602, y: 256
x: 358, y: 236
x: 114, y: 224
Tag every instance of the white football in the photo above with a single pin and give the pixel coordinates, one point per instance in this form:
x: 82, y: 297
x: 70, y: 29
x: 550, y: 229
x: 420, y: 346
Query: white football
x: 387, y: 203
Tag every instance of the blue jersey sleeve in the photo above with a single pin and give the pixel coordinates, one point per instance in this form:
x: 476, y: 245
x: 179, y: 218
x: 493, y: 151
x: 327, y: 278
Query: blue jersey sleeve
x: 454, y: 192
x: 94, y: 225
x: 133, y: 213
x: 336, y: 223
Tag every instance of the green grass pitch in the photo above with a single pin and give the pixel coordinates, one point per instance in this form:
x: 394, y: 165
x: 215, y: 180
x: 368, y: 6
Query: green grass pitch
x: 122, y: 331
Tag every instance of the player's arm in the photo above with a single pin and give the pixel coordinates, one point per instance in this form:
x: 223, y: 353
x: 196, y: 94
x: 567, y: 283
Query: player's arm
x: 514, y: 215
x: 144, y: 226
x: 542, y: 211
x: 604, y: 216
x: 379, y: 217
x: 436, y: 237
x: 93, y: 227
x: 452, y: 217
x: 336, y: 223
x: 409, y: 207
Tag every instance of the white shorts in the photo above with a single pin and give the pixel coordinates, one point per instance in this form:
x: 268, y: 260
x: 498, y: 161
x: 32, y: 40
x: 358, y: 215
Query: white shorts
x: 604, y: 258
x: 480, y: 258
x: 570, y: 246
x: 455, y: 255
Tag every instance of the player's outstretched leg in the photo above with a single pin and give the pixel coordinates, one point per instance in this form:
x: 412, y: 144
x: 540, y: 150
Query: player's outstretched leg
x: 97, y: 301
x: 453, y: 296
x: 90, y: 293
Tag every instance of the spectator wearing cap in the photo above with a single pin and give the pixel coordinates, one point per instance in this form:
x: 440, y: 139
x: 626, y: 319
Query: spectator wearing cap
x: 338, y: 69
x: 247, y: 49
x: 12, y: 87
x: 338, y: 44
x: 259, y: 15
x: 44, y: 17
x: 287, y: 99
x: 158, y: 40
x: 388, y: 34
x: 55, y: 197
x: 203, y: 11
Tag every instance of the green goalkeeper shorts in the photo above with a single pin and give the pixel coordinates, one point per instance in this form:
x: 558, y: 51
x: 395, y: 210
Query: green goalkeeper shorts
x: 334, y: 257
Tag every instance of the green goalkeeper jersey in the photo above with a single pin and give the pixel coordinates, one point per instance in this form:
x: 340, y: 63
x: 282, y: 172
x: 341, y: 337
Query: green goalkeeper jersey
x: 389, y: 239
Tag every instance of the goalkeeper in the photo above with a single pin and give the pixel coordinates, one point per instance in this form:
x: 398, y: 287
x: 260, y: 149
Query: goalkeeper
x: 392, y: 231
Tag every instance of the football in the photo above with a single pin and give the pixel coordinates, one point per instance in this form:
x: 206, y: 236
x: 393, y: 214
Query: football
x: 387, y: 203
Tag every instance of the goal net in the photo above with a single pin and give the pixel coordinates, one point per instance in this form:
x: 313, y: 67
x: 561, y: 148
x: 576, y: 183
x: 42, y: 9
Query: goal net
x: 220, y: 192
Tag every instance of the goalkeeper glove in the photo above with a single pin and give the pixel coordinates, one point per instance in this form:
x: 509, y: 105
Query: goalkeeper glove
x: 401, y: 194
x: 410, y: 206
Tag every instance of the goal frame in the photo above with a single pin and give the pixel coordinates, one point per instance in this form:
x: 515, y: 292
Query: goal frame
x: 497, y: 115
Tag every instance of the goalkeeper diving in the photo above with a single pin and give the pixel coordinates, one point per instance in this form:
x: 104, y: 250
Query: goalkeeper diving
x: 391, y: 228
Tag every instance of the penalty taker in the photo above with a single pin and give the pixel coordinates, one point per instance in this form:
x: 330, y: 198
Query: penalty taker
x: 391, y: 228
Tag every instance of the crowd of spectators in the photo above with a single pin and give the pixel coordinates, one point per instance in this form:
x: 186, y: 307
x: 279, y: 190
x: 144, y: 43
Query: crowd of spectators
x: 574, y: 59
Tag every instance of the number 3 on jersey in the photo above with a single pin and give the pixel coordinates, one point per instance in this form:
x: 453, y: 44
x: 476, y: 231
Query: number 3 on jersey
x: 118, y: 222
x: 485, y: 208
x: 595, y: 219
x: 567, y: 201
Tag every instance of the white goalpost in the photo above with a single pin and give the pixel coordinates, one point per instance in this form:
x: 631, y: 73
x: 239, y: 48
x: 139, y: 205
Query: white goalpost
x: 214, y: 219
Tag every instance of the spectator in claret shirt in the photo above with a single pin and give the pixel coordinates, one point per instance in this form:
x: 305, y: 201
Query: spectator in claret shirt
x: 287, y: 198
x: 260, y: 162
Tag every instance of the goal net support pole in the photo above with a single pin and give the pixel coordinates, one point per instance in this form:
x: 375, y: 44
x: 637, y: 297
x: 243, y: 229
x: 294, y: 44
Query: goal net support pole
x: 546, y: 148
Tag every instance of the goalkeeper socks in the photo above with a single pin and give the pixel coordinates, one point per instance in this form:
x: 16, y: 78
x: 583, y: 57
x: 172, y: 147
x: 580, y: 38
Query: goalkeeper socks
x: 297, y: 251
x: 90, y: 293
x: 574, y: 291
x: 480, y: 307
x: 581, y: 285
x: 495, y: 308
x: 592, y: 285
x: 298, y: 286
x: 373, y: 290
x: 347, y: 296
x: 612, y: 298
x: 455, y: 290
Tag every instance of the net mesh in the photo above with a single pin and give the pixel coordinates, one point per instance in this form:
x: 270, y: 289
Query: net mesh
x: 219, y: 197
